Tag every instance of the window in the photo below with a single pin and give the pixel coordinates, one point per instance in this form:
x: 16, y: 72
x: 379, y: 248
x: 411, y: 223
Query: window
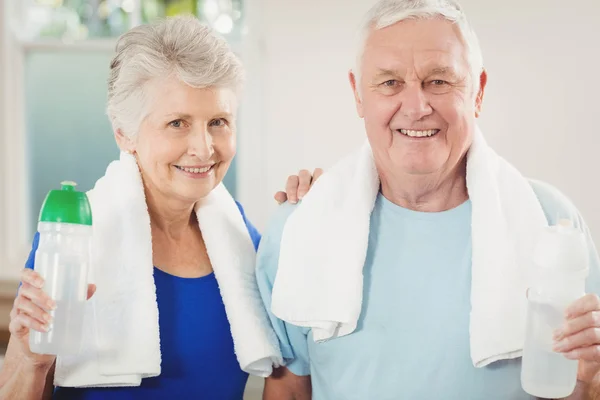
x: 70, y: 20
x: 56, y: 55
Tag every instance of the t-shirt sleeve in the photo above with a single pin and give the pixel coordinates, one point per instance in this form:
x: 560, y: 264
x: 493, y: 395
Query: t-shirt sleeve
x: 292, y: 339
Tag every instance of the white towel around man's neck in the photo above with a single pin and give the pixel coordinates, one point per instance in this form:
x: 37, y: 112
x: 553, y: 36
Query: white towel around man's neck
x: 319, y: 283
x: 121, y: 334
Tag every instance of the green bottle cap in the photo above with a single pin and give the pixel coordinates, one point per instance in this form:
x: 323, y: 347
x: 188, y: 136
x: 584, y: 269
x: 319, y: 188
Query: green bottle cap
x: 66, y: 206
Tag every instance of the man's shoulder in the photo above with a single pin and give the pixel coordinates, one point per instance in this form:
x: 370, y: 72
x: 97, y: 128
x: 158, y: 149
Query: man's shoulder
x: 280, y: 217
x: 268, y: 251
x: 553, y: 201
x: 556, y: 204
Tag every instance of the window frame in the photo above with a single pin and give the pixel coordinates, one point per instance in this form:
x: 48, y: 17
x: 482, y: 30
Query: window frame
x: 14, y: 246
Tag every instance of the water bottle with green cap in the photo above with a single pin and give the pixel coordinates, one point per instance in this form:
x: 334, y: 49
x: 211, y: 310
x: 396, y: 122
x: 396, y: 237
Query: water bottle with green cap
x: 62, y: 259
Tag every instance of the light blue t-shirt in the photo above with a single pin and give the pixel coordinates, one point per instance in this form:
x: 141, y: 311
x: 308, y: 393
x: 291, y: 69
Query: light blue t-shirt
x: 412, y: 338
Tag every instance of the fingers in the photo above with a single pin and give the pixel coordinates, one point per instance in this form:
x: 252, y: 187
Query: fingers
x: 280, y: 197
x: 579, y: 338
x: 317, y: 174
x: 578, y: 324
x: 27, y: 315
x: 586, y: 304
x: 291, y: 188
x: 36, y: 295
x: 91, y: 291
x: 31, y: 277
x: 305, y: 181
x: 23, y: 323
x: 32, y: 310
x: 31, y: 307
x: 297, y: 186
x: 585, y: 338
x: 590, y: 353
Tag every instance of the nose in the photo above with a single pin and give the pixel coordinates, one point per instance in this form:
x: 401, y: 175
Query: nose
x: 201, y: 144
x: 415, y: 104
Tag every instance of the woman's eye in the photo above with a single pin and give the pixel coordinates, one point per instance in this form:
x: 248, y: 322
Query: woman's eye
x: 176, y: 124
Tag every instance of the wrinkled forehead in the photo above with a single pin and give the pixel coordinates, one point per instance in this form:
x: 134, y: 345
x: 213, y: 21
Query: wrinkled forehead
x: 171, y: 95
x: 416, y: 43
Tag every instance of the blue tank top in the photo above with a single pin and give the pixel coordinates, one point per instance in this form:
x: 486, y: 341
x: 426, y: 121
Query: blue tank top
x: 198, y: 360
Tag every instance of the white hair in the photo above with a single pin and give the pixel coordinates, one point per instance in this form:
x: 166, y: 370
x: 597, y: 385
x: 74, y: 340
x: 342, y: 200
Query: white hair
x: 181, y: 46
x: 389, y: 12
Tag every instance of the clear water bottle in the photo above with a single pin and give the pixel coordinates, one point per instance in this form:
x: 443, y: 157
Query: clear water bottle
x: 561, y: 269
x: 62, y: 259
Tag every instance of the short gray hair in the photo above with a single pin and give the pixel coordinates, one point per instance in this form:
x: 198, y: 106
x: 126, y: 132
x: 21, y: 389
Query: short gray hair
x: 180, y: 46
x: 389, y: 12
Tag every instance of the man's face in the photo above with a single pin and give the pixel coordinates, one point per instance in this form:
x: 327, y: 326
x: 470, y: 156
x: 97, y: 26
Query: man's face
x: 416, y: 97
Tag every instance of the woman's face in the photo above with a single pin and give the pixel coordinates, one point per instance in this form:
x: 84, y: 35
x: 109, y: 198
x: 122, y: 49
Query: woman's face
x: 187, y: 140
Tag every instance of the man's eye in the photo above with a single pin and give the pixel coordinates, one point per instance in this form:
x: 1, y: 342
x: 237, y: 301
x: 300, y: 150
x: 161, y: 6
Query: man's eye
x: 390, y: 83
x: 219, y: 122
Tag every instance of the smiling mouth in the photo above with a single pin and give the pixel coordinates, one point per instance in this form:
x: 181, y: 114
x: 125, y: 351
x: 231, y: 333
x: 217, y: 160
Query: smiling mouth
x: 418, y: 134
x: 193, y: 170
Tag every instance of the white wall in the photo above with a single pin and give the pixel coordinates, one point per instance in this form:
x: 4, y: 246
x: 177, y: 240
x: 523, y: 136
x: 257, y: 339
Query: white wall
x: 539, y: 111
x: 309, y: 120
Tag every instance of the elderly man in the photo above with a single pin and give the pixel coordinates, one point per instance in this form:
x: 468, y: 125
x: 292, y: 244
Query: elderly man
x: 401, y: 275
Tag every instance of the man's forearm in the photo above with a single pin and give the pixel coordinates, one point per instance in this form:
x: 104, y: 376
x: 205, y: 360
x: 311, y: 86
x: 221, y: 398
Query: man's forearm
x: 27, y: 382
x: 586, y: 391
x: 284, y: 385
x: 590, y: 391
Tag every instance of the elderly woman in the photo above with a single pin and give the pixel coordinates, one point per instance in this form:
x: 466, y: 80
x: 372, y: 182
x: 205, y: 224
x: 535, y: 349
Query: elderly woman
x: 172, y: 101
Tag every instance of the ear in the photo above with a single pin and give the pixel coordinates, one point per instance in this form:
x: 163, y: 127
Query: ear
x: 479, y: 99
x: 354, y: 84
x: 124, y: 142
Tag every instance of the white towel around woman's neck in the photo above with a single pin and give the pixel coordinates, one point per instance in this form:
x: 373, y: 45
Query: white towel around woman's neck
x: 319, y: 283
x: 121, y: 341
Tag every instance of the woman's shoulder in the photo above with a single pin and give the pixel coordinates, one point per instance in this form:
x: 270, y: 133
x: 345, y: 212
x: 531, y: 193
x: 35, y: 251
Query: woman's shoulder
x: 252, y: 231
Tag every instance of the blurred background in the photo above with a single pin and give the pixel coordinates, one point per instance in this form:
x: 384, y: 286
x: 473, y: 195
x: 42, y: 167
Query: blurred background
x: 540, y: 110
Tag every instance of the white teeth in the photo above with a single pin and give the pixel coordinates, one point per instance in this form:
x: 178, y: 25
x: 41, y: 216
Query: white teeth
x: 196, y: 170
x: 412, y: 133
